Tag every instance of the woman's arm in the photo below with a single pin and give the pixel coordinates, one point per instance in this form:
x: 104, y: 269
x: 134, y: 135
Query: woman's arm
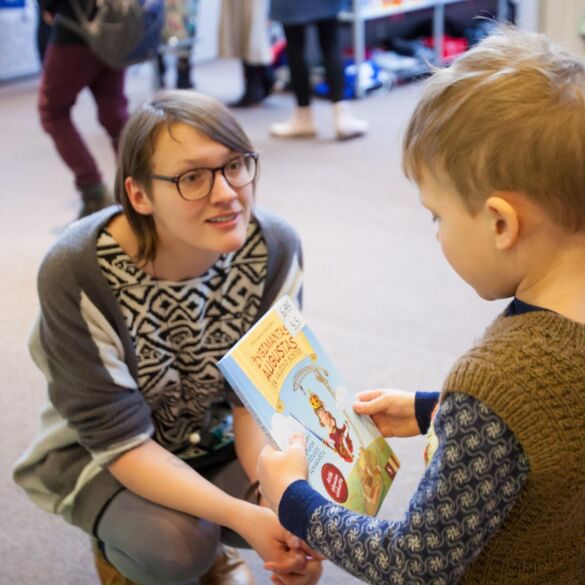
x: 249, y: 440
x: 152, y: 472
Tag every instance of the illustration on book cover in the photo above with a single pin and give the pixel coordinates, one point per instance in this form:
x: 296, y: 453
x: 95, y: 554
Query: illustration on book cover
x: 287, y: 381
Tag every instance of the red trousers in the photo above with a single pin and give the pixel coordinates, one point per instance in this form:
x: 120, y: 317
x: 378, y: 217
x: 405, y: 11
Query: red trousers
x: 67, y: 70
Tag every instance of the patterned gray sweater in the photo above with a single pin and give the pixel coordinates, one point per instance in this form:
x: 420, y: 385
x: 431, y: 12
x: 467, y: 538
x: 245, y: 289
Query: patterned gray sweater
x: 90, y: 345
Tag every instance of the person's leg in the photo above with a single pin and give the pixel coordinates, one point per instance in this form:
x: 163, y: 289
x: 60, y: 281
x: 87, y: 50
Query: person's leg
x: 346, y: 125
x: 112, y: 106
x: 184, y: 72
x: 161, y: 70
x: 299, y: 70
x: 301, y: 123
x: 67, y: 69
x: 151, y: 544
x: 257, y: 85
x: 329, y: 42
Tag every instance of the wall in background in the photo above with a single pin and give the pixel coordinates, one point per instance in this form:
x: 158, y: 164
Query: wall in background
x: 561, y: 22
x: 18, y: 51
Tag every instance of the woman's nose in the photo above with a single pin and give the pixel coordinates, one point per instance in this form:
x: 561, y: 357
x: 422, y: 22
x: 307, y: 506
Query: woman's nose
x: 221, y: 189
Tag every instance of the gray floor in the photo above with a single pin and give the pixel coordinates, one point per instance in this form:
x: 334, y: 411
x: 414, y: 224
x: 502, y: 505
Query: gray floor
x: 385, y: 304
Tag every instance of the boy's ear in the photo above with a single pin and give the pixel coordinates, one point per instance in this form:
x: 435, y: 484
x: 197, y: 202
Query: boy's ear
x: 503, y: 221
x: 137, y: 196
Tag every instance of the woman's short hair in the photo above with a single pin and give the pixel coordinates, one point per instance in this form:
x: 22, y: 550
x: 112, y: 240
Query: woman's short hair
x: 508, y: 115
x: 137, y: 143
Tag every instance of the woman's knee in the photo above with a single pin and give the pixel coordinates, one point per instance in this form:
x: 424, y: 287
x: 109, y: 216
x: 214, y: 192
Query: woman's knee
x: 184, y: 551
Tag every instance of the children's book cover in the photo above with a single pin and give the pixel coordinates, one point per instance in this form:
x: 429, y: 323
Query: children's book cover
x: 287, y: 381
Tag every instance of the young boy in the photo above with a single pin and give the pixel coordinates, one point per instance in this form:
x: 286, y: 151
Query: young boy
x: 497, y: 148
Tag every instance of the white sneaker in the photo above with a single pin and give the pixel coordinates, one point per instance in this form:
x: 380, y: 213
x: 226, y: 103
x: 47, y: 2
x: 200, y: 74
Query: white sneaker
x: 346, y: 126
x: 299, y: 126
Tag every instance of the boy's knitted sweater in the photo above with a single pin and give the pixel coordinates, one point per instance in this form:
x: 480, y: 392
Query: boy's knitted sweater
x: 502, y: 500
x: 530, y: 369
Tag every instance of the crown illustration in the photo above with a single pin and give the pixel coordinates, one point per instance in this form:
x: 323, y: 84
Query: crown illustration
x: 315, y: 401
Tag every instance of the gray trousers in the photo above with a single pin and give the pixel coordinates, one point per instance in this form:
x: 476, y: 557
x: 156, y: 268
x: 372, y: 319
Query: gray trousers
x: 154, y: 545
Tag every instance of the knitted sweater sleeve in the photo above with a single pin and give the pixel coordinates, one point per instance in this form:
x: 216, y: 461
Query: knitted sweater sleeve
x: 473, y: 481
x: 85, y: 362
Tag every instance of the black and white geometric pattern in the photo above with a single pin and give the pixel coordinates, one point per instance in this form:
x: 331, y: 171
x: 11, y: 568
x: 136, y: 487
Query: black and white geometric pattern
x: 181, y: 329
x: 470, y: 486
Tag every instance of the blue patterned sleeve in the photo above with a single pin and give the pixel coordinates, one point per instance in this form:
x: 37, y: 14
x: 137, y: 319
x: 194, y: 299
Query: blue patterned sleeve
x: 466, y: 493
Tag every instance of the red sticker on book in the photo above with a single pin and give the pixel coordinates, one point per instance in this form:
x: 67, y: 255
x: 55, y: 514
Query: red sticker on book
x: 334, y: 482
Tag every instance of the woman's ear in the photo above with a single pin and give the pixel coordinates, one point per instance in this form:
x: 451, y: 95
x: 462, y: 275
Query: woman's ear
x: 503, y: 221
x: 137, y: 196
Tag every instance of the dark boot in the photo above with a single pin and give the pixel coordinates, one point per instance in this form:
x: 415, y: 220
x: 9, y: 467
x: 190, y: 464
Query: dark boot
x: 267, y: 76
x: 184, y: 73
x: 160, y: 71
x: 94, y: 198
x: 254, y: 91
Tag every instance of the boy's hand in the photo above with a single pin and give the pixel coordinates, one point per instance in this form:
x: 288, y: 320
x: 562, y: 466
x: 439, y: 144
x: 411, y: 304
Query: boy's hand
x: 391, y: 410
x: 278, y: 469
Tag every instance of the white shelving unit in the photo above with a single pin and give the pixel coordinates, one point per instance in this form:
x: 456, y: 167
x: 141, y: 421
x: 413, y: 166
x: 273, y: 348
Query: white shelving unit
x: 363, y: 13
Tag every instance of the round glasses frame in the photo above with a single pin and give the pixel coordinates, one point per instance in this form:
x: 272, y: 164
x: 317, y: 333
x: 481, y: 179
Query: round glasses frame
x: 177, y: 178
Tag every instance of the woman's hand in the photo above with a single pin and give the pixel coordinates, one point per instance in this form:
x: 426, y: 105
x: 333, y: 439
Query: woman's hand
x: 307, y: 576
x: 391, y: 410
x: 310, y: 574
x: 278, y: 469
x: 261, y: 529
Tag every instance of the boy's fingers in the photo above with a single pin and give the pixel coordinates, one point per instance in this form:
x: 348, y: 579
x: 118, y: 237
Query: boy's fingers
x: 373, y: 406
x: 368, y: 395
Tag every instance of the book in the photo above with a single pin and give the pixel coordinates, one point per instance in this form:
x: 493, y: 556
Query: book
x: 283, y: 376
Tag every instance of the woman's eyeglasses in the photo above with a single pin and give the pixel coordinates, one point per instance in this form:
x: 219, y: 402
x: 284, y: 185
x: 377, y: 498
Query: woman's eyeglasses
x: 198, y: 183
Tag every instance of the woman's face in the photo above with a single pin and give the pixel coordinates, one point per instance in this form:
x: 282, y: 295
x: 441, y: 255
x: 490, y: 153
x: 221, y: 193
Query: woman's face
x: 207, y: 227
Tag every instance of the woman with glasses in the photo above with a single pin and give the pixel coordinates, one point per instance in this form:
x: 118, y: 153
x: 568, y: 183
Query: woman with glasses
x: 142, y: 444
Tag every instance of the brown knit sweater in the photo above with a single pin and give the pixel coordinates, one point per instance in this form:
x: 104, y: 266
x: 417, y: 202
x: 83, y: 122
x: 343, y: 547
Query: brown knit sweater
x: 530, y: 369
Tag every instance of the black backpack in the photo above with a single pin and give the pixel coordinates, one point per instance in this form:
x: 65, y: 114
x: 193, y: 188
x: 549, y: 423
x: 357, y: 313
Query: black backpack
x: 122, y: 32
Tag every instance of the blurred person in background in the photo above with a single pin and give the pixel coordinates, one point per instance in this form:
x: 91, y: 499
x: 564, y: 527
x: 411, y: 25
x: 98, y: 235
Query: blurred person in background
x: 178, y: 38
x: 43, y: 34
x: 69, y: 67
x: 296, y: 16
x: 243, y: 34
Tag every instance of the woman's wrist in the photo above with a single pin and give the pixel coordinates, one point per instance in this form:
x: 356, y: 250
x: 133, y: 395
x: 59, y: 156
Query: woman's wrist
x: 239, y: 515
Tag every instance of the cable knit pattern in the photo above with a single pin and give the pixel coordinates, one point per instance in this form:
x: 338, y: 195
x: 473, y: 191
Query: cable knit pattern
x: 530, y: 369
x: 472, y: 483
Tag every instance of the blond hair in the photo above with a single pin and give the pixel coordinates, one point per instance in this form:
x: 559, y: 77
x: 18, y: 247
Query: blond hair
x: 138, y: 140
x: 508, y: 115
